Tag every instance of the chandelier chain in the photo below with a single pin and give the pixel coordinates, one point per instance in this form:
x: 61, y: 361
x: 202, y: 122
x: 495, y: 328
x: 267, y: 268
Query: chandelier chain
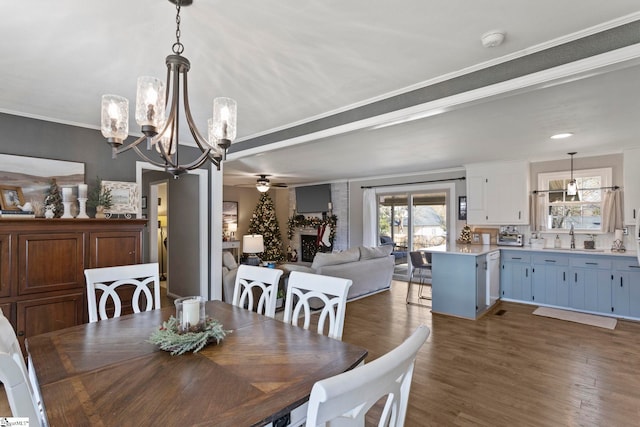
x: 178, y: 47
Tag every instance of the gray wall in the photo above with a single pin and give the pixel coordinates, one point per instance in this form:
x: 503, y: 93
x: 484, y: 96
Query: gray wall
x: 37, y: 138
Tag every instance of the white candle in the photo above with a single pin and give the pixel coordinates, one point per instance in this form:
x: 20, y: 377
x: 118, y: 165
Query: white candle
x: 66, y: 194
x: 82, y: 191
x: 190, y: 312
x: 330, y: 205
x: 618, y: 235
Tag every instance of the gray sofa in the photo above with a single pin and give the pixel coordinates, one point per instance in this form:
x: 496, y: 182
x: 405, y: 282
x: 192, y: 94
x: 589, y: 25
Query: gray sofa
x: 370, y: 269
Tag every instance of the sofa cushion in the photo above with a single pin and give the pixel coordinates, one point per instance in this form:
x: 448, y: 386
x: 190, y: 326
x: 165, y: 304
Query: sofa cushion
x: 289, y: 267
x: 228, y: 260
x: 321, y: 259
x: 375, y: 252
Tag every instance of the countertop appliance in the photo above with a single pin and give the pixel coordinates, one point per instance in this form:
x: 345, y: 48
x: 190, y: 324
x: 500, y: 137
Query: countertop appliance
x: 510, y: 239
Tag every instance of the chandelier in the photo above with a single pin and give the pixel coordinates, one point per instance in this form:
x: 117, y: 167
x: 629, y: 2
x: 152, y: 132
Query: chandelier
x: 162, y: 133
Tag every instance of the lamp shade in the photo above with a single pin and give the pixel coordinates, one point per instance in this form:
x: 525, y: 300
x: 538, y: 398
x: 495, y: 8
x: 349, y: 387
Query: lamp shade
x: 232, y: 227
x: 252, y: 244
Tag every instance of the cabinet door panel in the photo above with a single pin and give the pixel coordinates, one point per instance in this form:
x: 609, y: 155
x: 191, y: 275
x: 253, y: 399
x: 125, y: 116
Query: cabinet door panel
x: 40, y: 315
x: 50, y: 262
x: 5, y: 266
x: 108, y: 249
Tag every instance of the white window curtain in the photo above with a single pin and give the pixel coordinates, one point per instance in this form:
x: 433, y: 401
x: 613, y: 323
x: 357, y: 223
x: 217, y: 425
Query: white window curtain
x: 612, y: 210
x: 537, y: 215
x: 369, y: 218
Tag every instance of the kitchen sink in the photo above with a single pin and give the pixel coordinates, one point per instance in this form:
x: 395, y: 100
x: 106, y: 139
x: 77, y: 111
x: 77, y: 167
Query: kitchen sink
x: 575, y: 250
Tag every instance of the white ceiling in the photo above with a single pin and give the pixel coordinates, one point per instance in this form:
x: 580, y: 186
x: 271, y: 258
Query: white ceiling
x: 287, y: 62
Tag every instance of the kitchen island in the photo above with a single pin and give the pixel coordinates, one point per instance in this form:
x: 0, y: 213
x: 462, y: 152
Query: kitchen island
x: 593, y: 281
x: 459, y: 279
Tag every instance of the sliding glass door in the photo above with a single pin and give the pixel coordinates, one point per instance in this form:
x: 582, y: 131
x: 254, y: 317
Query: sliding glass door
x: 410, y: 222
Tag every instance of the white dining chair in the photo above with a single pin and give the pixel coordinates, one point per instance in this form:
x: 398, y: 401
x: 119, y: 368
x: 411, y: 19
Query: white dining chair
x: 21, y: 386
x: 261, y: 280
x: 303, y: 288
x: 144, y: 277
x: 344, y: 399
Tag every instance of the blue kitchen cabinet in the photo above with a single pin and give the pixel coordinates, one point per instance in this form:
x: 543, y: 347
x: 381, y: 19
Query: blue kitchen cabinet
x: 550, y: 278
x: 515, y: 276
x: 590, y: 287
x: 458, y: 284
x: 625, y: 288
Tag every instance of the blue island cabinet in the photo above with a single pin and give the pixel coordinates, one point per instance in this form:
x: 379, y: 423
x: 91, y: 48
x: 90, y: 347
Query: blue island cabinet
x: 459, y: 284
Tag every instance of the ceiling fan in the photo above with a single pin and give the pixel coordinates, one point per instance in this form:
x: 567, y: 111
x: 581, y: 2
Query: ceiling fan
x: 263, y: 184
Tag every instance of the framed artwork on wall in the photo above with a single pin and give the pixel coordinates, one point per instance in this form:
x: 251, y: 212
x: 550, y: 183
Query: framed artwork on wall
x: 462, y: 208
x: 124, y: 197
x: 229, y: 219
x: 33, y: 175
x: 11, y: 198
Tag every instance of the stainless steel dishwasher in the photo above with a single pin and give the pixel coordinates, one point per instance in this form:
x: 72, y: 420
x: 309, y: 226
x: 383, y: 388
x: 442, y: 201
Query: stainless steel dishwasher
x: 493, y: 277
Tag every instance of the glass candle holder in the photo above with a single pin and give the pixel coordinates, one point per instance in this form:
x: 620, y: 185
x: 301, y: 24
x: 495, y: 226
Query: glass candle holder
x: 190, y: 313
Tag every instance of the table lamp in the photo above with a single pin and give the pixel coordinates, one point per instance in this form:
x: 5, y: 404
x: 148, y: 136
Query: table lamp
x: 232, y: 227
x: 252, y: 244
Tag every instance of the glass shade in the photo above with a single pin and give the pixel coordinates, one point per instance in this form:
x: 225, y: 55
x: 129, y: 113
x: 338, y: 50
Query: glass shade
x: 572, y: 188
x: 211, y: 139
x: 150, y: 102
x: 263, y: 188
x: 115, y: 117
x: 165, y: 140
x: 224, y: 118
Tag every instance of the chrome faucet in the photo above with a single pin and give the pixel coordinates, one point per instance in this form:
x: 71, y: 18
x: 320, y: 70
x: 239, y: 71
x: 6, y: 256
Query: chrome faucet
x: 573, y: 237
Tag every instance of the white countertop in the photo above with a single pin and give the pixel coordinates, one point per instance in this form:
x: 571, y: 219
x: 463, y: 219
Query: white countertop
x: 475, y: 250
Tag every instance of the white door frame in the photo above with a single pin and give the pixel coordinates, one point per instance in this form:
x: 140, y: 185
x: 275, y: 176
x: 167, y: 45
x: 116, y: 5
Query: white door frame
x: 203, y: 209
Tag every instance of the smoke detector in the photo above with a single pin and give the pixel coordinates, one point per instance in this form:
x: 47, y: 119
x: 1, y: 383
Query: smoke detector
x: 493, y: 38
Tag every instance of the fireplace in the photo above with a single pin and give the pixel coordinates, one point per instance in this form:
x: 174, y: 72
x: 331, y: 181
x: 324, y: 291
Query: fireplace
x: 308, y: 247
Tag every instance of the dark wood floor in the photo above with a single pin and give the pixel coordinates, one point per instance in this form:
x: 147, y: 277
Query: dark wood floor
x: 514, y: 369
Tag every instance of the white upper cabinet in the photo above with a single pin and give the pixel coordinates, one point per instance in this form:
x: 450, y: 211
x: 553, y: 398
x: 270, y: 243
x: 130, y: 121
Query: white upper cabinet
x: 498, y: 193
x: 631, y: 170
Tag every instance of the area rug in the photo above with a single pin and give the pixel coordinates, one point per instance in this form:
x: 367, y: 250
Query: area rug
x: 573, y: 316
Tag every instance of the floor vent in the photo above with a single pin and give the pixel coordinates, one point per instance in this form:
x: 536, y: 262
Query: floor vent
x: 500, y: 312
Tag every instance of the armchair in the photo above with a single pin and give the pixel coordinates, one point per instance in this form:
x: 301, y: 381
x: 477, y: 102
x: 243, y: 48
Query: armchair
x: 399, y: 253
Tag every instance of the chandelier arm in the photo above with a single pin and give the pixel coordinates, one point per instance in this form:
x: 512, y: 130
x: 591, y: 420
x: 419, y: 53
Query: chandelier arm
x: 144, y: 156
x: 196, y: 163
x: 130, y: 146
x: 197, y: 136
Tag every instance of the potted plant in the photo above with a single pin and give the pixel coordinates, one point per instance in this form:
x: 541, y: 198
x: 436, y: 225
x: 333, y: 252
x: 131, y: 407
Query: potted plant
x: 99, y: 198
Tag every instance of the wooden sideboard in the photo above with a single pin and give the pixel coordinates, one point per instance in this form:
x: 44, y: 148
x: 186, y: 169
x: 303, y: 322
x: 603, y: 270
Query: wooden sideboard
x: 42, y: 263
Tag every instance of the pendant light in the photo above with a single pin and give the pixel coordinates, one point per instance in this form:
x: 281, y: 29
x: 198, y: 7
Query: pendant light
x: 161, y: 128
x: 572, y: 187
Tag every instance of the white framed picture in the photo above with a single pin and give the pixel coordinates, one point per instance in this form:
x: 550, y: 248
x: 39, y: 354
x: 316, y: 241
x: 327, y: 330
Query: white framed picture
x: 124, y: 197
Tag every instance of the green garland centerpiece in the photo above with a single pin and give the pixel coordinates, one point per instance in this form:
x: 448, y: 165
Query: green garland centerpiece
x: 170, y: 337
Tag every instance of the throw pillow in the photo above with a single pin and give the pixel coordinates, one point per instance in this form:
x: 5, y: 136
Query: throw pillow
x: 375, y: 252
x: 322, y: 259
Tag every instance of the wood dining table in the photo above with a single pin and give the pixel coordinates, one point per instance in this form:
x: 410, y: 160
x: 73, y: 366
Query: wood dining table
x: 107, y: 374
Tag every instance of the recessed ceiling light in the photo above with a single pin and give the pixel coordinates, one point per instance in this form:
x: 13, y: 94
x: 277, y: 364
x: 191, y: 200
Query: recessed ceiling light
x: 561, y: 135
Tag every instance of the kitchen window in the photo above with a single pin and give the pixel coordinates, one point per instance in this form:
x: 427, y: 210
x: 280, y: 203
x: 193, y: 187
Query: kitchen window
x: 584, y: 210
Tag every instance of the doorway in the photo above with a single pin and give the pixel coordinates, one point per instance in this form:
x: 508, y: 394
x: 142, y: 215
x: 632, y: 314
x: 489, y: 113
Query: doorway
x: 412, y: 219
x: 186, y: 230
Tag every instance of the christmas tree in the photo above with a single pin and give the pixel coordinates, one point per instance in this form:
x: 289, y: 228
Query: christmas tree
x: 54, y: 198
x: 265, y: 223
